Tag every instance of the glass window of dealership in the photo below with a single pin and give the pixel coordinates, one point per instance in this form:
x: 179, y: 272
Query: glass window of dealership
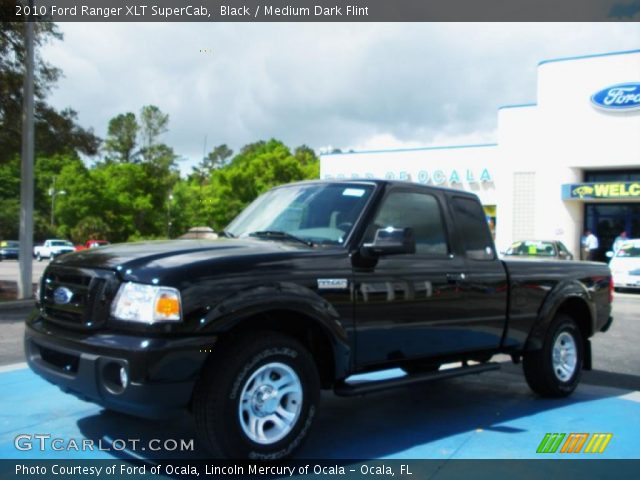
x: 566, y: 163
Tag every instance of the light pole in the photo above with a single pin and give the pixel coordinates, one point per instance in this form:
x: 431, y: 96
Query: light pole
x: 53, y: 192
x: 25, y: 285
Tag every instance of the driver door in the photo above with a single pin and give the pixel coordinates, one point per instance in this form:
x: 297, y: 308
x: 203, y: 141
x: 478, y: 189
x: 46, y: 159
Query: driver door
x: 410, y: 305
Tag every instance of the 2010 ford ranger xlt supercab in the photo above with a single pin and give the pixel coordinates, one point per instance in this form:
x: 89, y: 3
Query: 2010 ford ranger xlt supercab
x: 313, y: 282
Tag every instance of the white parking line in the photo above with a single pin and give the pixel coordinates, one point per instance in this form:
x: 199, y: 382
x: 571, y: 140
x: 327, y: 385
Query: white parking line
x: 633, y: 396
x: 601, y: 391
x: 13, y: 366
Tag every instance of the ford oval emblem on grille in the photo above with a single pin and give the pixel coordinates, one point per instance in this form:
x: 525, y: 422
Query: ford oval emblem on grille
x: 62, y: 295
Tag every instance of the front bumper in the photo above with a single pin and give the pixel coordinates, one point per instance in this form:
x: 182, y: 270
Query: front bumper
x: 161, y: 372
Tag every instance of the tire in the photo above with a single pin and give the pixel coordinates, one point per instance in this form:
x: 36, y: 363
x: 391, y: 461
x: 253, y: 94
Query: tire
x: 38, y: 257
x: 560, y: 377
x: 420, y: 366
x: 238, y: 400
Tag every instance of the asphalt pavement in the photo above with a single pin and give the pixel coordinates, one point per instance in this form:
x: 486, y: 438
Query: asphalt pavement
x: 10, y: 270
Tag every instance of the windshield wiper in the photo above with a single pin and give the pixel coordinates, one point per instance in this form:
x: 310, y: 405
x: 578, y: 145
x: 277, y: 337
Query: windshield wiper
x: 227, y: 234
x: 277, y: 234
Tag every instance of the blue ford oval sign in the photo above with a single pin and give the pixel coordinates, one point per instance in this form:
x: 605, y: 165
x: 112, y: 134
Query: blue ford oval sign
x: 624, y: 96
x: 62, y: 295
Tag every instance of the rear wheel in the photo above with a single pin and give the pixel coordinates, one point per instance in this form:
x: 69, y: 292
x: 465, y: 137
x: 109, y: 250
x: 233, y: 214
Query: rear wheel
x: 39, y: 257
x: 554, y: 371
x: 257, y: 398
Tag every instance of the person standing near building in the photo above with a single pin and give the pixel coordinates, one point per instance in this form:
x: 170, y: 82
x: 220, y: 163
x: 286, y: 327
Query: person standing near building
x: 590, y: 244
x: 620, y: 239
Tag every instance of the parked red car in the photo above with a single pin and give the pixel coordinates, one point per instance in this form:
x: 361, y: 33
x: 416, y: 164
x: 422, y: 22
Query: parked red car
x: 91, y: 244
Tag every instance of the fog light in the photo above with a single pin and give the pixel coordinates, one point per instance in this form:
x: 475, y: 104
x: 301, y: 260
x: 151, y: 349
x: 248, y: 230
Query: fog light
x: 124, y: 377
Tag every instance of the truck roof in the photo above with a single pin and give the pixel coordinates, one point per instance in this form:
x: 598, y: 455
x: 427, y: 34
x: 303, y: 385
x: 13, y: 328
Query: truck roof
x: 380, y: 183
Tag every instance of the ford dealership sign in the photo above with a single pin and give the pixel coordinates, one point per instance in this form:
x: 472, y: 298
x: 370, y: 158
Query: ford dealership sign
x: 622, y: 97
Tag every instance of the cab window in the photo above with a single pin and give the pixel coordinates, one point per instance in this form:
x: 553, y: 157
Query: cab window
x: 473, y: 229
x: 419, y: 211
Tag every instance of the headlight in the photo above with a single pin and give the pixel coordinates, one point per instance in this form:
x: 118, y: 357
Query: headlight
x: 136, y: 302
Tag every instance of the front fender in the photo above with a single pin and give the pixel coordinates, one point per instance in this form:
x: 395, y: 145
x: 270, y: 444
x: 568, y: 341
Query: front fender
x: 564, y: 291
x: 229, y: 312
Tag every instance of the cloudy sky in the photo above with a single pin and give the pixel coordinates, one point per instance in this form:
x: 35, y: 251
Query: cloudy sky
x: 352, y: 86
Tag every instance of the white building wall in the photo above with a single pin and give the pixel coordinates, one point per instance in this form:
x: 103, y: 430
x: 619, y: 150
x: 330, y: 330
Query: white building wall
x: 440, y: 166
x: 540, y: 147
x: 575, y: 132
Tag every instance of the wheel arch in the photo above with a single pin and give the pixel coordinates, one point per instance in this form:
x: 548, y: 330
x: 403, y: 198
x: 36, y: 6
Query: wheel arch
x: 325, y: 338
x: 572, y: 299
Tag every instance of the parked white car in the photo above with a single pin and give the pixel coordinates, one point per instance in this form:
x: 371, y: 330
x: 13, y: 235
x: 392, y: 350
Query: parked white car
x: 625, y: 265
x: 52, y: 248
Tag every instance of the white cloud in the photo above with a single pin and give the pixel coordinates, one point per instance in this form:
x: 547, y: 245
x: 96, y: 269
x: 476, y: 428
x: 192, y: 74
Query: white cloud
x: 369, y: 85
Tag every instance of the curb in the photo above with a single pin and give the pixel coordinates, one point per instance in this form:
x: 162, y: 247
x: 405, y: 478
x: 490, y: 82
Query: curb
x: 12, y: 305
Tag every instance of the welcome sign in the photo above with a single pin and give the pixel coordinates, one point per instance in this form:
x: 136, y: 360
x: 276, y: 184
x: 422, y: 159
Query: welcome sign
x: 621, y: 97
x: 584, y: 191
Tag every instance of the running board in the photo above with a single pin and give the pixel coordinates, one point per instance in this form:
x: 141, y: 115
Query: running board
x: 345, y: 389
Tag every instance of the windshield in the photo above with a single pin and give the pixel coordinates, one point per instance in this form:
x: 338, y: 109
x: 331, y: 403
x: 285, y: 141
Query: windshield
x: 9, y: 244
x: 629, y: 250
x: 61, y: 243
x: 317, y: 213
x: 538, y: 249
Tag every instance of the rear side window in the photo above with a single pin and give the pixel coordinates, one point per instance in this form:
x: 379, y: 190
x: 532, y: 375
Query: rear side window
x: 473, y: 229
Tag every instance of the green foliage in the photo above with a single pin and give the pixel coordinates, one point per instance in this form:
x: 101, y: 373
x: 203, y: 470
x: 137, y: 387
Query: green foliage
x: 9, y: 215
x: 258, y: 167
x: 120, y: 143
x: 90, y: 228
x: 153, y: 123
x: 136, y: 192
x: 216, y: 158
x: 56, y: 132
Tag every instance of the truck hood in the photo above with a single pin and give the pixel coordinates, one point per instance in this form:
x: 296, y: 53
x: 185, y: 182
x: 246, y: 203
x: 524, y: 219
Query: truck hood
x: 151, y: 261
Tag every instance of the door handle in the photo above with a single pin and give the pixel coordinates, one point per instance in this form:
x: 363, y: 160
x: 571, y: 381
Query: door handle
x: 456, y: 277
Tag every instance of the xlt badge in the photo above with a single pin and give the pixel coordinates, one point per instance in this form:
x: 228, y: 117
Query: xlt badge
x: 333, y: 283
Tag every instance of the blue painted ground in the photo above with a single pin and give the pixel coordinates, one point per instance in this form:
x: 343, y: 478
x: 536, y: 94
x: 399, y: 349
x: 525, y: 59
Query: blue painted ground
x: 492, y: 415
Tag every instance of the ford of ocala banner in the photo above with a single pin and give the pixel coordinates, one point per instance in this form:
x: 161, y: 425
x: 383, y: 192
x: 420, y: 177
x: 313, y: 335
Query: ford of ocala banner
x: 624, y: 96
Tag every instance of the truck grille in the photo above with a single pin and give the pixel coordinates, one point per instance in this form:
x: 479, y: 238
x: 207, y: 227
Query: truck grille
x: 77, y: 297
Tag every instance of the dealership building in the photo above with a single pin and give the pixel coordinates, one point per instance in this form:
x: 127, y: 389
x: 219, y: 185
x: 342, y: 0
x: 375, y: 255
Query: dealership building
x: 566, y: 163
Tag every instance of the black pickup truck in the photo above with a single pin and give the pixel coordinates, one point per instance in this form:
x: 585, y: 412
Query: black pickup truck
x: 312, y: 283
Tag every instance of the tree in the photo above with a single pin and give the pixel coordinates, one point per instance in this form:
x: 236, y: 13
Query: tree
x: 121, y: 141
x: 153, y: 123
x: 90, y: 228
x: 55, y: 132
x: 258, y: 167
x: 216, y: 158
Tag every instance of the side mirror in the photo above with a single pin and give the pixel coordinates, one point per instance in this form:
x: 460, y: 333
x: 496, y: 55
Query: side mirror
x: 391, y: 241
x: 609, y: 254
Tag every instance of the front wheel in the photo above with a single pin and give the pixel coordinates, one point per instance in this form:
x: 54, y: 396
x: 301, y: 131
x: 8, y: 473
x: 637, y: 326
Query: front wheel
x: 257, y: 398
x: 554, y: 371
